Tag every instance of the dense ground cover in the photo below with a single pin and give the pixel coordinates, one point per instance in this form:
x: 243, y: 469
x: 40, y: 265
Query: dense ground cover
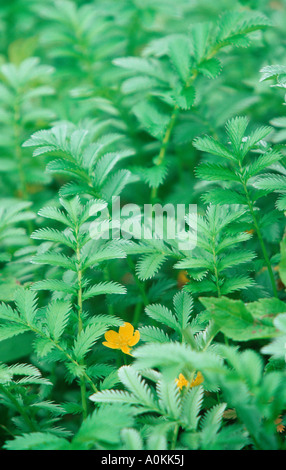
x: 127, y: 342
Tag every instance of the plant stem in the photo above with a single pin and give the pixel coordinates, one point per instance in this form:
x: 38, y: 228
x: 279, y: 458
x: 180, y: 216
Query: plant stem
x: 80, y: 325
x: 23, y: 192
x: 141, y: 288
x: 18, y: 150
x: 260, y: 238
x: 107, y: 278
x: 174, y: 437
x: 137, y: 314
x: 67, y: 355
x: 168, y: 133
x: 164, y: 146
x: 215, y: 267
x: 217, y: 279
x: 174, y: 116
x: 19, y: 408
x: 87, y: 378
x: 139, y: 284
x: 7, y: 430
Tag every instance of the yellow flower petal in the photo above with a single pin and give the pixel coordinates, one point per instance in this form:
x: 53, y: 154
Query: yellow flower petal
x: 111, y: 336
x: 111, y: 345
x: 279, y: 426
x: 182, y: 382
x: 198, y: 380
x: 135, y: 339
x: 123, y: 340
x: 126, y: 331
x: 126, y: 350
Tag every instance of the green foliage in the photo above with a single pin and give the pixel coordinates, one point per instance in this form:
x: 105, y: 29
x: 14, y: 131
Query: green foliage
x: 87, y: 252
x: 81, y: 158
x: 14, y: 241
x: 127, y: 339
x: 241, y: 189
x: 243, y: 322
x: 176, y: 410
x: 209, y: 265
x: 24, y: 88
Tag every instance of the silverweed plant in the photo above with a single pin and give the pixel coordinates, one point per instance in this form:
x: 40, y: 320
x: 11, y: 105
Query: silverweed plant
x: 142, y: 225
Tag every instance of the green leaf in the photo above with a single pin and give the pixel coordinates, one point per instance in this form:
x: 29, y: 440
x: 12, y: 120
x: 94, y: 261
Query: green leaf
x: 57, y: 318
x: 115, y: 184
x: 185, y: 97
x: 179, y: 51
x: 151, y: 119
x: 215, y: 172
x: 55, y: 259
x: 183, y: 304
x: 211, y: 68
x: 151, y: 334
x: 235, y: 320
x: 132, y: 439
x: 200, y: 34
x: 264, y: 161
x: 86, y: 339
x: 149, y: 265
x: 54, y: 285
x: 235, y: 25
x: 103, y: 288
x: 163, y: 315
x: 235, y: 129
x: 136, y: 385
x: 170, y: 399
x: 106, y: 253
x: 55, y: 236
x: 9, y: 331
x: 192, y: 406
x: 282, y: 264
x: 212, y: 146
x: 224, y: 196
x: 26, y: 303
x: 37, y: 441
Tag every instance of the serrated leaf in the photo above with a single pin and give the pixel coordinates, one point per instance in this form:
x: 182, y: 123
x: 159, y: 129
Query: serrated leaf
x: 57, y: 318
x: 163, y: 315
x: 149, y: 265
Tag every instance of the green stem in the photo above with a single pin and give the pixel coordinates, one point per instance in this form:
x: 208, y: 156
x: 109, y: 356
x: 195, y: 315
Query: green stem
x: 107, y: 278
x: 80, y: 324
x: 260, y: 238
x: 174, y: 116
x: 168, y: 133
x: 87, y: 378
x: 217, y: 276
x: 18, y: 151
x: 137, y: 314
x: 215, y: 267
x: 23, y: 192
x: 66, y: 354
x: 165, y: 144
x: 139, y: 284
x: 19, y: 408
x: 174, y: 437
x: 7, y: 430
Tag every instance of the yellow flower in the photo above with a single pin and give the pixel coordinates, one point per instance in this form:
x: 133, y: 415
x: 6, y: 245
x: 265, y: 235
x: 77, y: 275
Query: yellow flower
x: 198, y: 380
x: 279, y: 425
x: 124, y: 339
x: 182, y: 279
x: 183, y: 382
